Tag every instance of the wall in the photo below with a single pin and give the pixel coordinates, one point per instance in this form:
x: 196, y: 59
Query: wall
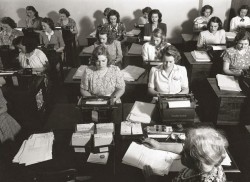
x: 178, y: 14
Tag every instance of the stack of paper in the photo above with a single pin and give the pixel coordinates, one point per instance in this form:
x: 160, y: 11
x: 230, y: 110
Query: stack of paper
x: 135, y: 49
x: 102, y: 139
x: 227, y: 161
x: 88, y: 50
x: 129, y: 128
x: 139, y: 156
x: 85, y: 128
x: 99, y: 158
x: 141, y: 112
x: 105, y: 128
x: 229, y: 83
x: 200, y: 56
x: 37, y: 148
x: 147, y: 38
x: 93, y: 34
x: 133, y: 32
x: 132, y: 73
x: 79, y: 72
x: 80, y: 139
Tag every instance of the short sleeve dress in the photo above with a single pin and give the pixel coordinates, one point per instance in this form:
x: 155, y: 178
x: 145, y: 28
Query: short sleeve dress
x: 8, y: 125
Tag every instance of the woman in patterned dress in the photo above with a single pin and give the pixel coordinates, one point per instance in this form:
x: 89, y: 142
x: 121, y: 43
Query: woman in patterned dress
x: 102, y: 78
x: 8, y: 125
x: 237, y: 58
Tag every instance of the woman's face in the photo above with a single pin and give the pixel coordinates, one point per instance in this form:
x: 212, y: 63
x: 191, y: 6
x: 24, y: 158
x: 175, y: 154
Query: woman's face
x: 242, y: 44
x: 156, y: 40
x: 103, y: 38
x: 213, y: 27
x: 30, y: 13
x: 46, y: 27
x: 168, y: 62
x: 207, y: 13
x: 243, y: 13
x: 6, y: 27
x: 113, y: 19
x: 21, y: 48
x: 63, y: 16
x: 102, y: 62
x: 155, y: 18
x: 145, y: 15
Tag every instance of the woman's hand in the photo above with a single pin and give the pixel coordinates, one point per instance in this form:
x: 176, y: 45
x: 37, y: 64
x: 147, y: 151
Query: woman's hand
x: 151, y: 143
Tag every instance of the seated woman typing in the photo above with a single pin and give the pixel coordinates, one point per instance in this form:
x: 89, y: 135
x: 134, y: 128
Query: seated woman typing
x: 214, y: 35
x: 200, y: 23
x: 29, y: 56
x: 102, y: 79
x: 113, y: 46
x: 242, y: 20
x: 237, y: 58
x: 168, y: 78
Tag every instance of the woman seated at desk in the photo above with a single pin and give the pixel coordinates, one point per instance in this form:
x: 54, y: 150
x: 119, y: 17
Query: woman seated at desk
x: 33, y: 20
x: 200, y: 23
x: 113, y: 46
x: 237, y: 58
x: 150, y: 50
x: 154, y: 19
x: 29, y: 56
x: 102, y: 78
x: 242, y: 20
x: 144, y: 19
x: 168, y: 78
x: 114, y: 25
x: 214, y: 35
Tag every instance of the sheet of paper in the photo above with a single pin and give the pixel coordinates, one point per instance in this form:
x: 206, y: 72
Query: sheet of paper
x: 99, y: 158
x: 179, y: 104
x: 80, y: 139
x: 86, y: 128
x: 137, y: 129
x: 97, y: 102
x: 200, y: 56
x: 132, y: 73
x: 105, y: 128
x: 229, y: 83
x: 218, y: 48
x: 88, y: 50
x: 147, y: 38
x: 126, y: 128
x: 79, y: 72
x: 227, y: 161
x: 135, y: 49
x: 102, y: 139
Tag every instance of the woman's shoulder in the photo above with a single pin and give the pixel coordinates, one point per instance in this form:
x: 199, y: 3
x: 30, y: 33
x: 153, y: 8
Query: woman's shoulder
x: 71, y: 20
x: 39, y: 52
x: 114, y: 68
x: 231, y: 50
x: 222, y: 31
x: 116, y: 42
x: 179, y: 67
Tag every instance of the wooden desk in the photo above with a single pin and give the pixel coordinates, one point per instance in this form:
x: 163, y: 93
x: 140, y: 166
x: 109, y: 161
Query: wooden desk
x: 135, y: 60
x: 223, y: 107
x: 91, y: 40
x: 84, y: 58
x: 189, y: 41
x: 136, y: 90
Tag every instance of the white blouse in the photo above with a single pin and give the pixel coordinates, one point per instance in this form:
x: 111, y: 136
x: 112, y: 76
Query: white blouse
x: 37, y: 60
x: 206, y: 37
x: 237, y: 22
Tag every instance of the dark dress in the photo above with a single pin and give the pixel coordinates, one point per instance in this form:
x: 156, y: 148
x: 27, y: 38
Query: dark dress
x: 148, y: 28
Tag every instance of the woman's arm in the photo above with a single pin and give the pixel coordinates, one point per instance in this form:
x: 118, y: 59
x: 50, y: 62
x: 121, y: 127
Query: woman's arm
x: 118, y: 93
x: 200, y: 41
x: 118, y: 51
x: 3, y: 109
x: 151, y: 83
x: 61, y: 43
x: 227, y: 71
x: 223, y: 37
x: 184, y: 90
x: 152, y: 92
x: 84, y: 92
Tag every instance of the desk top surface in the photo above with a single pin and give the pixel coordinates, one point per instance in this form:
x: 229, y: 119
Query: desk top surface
x: 224, y: 93
x: 192, y: 61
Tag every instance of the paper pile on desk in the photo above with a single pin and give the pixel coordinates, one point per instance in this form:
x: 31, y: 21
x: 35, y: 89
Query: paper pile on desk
x: 139, y: 156
x: 105, y: 128
x: 88, y: 50
x: 130, y: 128
x: 132, y: 73
x: 99, y: 158
x: 37, y: 148
x: 230, y: 35
x: 141, y: 112
x: 85, y: 128
x: 135, y: 49
x: 133, y: 32
x: 79, y: 72
x: 229, y: 83
x: 200, y: 56
x: 103, y: 139
x: 80, y: 139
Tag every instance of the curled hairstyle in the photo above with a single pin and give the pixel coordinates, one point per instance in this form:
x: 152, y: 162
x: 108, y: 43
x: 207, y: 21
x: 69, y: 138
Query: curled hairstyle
x: 31, y: 8
x: 146, y: 10
x: 160, y: 34
x: 9, y: 21
x: 49, y: 22
x: 170, y: 51
x: 102, y: 31
x: 203, y: 145
x: 215, y: 19
x: 114, y: 13
x: 29, y: 42
x: 106, y: 11
x: 243, y: 7
x: 154, y: 11
x: 64, y: 11
x: 242, y: 35
x: 204, y: 8
x: 100, y: 50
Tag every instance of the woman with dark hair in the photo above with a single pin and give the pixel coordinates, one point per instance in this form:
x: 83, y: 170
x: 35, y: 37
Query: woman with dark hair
x: 200, y: 23
x: 242, y: 20
x: 144, y: 19
x: 154, y: 18
x: 102, y: 78
x: 69, y: 31
x: 214, y: 35
x: 114, y: 25
x: 33, y: 20
x: 105, y: 13
x: 51, y: 36
x: 168, y: 78
x: 9, y: 33
x: 113, y: 46
x: 237, y: 58
x: 29, y: 56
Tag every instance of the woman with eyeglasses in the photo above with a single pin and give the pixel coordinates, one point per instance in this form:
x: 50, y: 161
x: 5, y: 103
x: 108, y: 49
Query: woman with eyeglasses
x: 102, y: 78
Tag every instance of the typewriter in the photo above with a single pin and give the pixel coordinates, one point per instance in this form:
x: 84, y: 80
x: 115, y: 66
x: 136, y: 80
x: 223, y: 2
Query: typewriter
x: 176, y: 108
x: 96, y: 108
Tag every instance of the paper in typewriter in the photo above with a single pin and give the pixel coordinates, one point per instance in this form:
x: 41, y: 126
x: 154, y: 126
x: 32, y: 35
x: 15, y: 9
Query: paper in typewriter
x: 97, y: 102
x: 138, y: 156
